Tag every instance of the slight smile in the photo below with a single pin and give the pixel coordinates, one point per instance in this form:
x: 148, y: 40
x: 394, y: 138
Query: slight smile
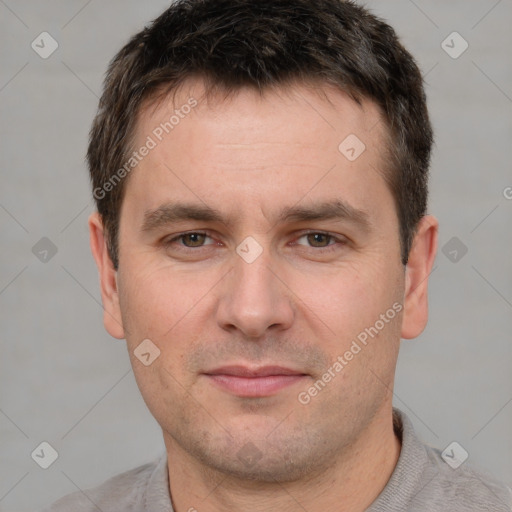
x: 256, y: 382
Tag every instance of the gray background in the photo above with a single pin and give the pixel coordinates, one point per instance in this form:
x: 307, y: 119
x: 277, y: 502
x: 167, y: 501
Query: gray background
x: 65, y: 381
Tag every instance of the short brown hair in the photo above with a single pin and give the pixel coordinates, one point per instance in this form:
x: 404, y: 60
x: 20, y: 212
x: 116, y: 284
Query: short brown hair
x: 232, y: 44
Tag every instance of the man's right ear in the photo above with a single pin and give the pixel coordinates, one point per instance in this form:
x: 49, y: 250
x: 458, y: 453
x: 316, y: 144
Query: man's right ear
x: 108, y: 277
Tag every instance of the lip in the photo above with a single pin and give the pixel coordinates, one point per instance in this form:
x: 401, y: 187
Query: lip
x: 244, y: 381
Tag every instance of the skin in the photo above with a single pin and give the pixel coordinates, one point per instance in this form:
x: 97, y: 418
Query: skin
x: 300, y: 304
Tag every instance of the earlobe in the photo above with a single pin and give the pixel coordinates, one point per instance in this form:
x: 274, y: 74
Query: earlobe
x: 108, y: 277
x: 419, y: 267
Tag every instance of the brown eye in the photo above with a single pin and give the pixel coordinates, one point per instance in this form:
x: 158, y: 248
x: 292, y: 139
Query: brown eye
x: 193, y: 239
x: 318, y: 239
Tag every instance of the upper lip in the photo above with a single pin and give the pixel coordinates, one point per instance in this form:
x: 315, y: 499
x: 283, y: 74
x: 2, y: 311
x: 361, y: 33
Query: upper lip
x: 245, y: 371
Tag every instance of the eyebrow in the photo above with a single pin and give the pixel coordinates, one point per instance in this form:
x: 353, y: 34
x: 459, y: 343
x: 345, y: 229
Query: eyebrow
x: 178, y: 212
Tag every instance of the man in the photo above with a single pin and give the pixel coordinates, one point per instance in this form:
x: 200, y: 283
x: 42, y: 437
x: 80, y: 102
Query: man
x: 260, y: 172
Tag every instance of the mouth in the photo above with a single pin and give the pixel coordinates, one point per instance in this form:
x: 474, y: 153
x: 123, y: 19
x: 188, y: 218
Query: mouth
x: 264, y: 381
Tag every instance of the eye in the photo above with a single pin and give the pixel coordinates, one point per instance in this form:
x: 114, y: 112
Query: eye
x: 190, y: 240
x: 193, y: 239
x: 318, y: 240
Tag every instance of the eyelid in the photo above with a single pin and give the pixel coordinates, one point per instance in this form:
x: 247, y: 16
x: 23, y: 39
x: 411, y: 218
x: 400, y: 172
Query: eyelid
x: 175, y: 238
x: 338, y: 239
x: 316, y: 232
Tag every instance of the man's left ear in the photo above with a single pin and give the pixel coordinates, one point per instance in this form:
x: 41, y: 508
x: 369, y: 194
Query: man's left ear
x: 419, y: 267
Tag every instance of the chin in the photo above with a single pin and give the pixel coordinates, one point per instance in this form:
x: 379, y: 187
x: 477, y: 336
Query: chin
x: 264, y: 454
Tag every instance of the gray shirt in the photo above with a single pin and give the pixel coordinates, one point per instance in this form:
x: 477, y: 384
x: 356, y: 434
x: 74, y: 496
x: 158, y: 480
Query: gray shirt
x: 421, y: 482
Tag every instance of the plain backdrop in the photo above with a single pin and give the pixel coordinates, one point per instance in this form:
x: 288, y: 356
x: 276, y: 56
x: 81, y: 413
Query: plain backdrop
x: 63, y: 380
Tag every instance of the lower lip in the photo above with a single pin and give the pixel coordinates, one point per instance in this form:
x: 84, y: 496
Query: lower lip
x: 254, y: 386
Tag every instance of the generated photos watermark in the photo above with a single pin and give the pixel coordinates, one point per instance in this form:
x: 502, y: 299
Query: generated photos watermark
x: 356, y: 347
x: 152, y: 141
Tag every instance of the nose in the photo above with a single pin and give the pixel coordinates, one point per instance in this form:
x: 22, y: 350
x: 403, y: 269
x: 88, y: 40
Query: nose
x: 254, y: 299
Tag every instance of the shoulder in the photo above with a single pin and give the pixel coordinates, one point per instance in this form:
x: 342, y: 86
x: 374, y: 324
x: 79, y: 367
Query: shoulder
x: 122, y: 492
x: 465, y: 487
x: 424, y: 481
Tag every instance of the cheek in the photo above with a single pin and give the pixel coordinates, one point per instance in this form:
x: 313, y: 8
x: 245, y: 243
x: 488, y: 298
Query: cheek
x: 347, y: 300
x: 170, y: 308
x: 155, y: 300
x: 156, y: 304
x: 163, y: 390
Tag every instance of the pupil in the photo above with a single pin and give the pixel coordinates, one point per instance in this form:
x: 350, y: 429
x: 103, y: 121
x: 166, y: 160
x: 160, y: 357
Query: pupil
x: 195, y: 239
x: 318, y: 239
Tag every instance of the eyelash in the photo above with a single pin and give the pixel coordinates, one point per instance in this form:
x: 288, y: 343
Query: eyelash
x: 327, y: 248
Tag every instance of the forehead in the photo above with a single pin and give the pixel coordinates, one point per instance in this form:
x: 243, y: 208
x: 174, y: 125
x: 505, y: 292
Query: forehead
x: 299, y: 139
x: 296, y: 100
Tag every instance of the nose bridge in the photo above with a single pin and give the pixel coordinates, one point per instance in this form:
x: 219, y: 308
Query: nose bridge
x: 253, y: 298
x: 253, y: 280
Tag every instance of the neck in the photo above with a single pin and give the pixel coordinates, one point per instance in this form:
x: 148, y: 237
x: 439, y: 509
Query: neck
x: 352, y: 483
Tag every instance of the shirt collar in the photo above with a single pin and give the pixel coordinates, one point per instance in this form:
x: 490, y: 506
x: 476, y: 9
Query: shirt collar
x: 408, y: 477
x: 156, y: 497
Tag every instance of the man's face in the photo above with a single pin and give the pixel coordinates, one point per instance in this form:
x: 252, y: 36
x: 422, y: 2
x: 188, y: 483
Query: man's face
x: 282, y: 278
